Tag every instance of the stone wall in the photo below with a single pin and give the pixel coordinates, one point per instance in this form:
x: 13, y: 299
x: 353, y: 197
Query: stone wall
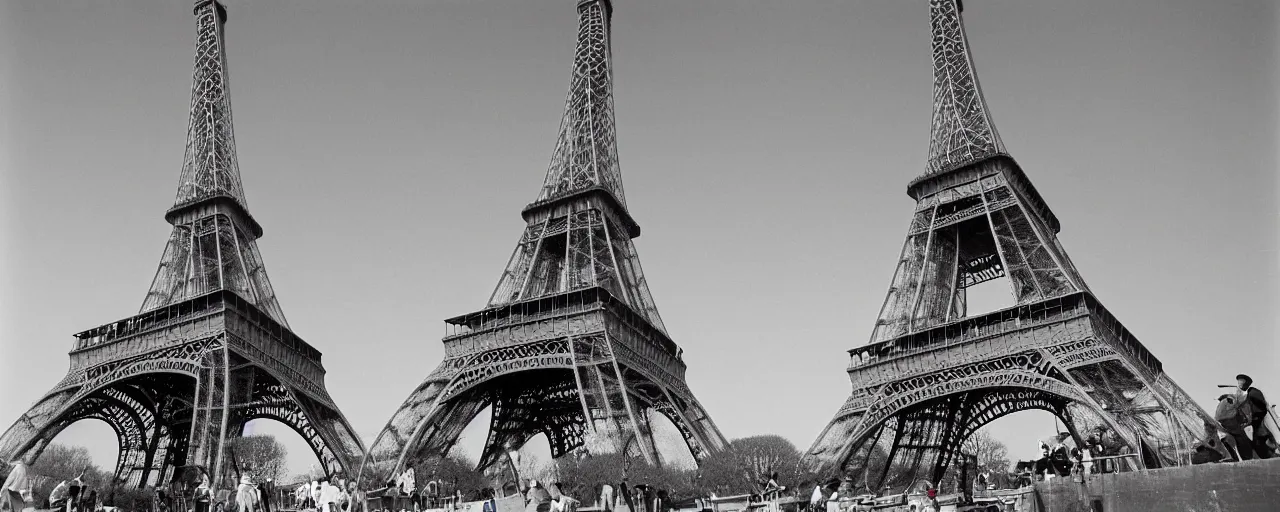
x: 1230, y: 487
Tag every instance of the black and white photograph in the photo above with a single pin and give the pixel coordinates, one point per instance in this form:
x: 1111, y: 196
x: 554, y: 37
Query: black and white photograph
x: 406, y: 275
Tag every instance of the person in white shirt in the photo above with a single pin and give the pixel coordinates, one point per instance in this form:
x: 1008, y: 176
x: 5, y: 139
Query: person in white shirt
x: 300, y: 496
x: 328, y: 495
x: 17, y: 488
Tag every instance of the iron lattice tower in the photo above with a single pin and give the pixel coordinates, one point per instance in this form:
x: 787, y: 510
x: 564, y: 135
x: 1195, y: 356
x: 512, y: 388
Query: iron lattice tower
x: 210, y: 348
x: 570, y: 343
x: 931, y: 375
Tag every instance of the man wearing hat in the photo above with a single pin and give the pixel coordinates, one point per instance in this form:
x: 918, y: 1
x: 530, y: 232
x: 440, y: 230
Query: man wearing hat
x: 1257, y: 406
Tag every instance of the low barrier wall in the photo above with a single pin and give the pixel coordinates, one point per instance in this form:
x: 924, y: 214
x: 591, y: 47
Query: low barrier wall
x: 1229, y: 487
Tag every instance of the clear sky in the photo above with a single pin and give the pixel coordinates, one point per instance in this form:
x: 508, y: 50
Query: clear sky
x: 387, y: 147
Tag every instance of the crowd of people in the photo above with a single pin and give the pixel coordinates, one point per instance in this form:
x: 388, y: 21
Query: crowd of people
x: 402, y: 495
x: 67, y: 496
x: 70, y: 496
x: 248, y: 496
x: 325, y: 496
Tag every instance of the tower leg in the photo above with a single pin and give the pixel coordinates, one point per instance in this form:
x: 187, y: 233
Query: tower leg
x: 209, y: 414
x: 643, y: 437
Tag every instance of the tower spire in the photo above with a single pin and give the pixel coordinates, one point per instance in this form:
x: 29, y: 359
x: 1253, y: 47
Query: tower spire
x: 213, y: 242
x: 962, y: 131
x: 586, y: 153
x: 209, y: 167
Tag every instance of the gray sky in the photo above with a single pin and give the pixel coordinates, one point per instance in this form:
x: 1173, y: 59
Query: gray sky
x: 388, y: 146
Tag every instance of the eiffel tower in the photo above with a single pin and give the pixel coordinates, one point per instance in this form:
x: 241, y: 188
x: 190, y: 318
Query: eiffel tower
x: 570, y: 344
x: 210, y: 348
x: 931, y: 375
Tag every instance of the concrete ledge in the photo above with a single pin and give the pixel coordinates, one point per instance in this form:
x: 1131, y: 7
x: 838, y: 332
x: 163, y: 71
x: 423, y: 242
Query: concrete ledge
x: 1227, y: 487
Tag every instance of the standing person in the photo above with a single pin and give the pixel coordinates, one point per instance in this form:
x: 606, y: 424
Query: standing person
x: 409, y: 487
x: 625, y: 494
x: 606, y: 498
x: 343, y: 500
x: 1234, y: 415
x: 203, y: 495
x: 162, y: 499
x: 538, y: 499
x: 17, y: 488
x: 264, y: 495
x: 73, y: 492
x: 1257, y: 407
x: 315, y: 495
x: 325, y: 502
x: 247, y: 499
x: 815, y: 500
x: 357, y: 498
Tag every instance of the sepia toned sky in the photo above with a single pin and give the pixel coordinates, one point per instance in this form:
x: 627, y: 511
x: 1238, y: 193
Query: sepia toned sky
x: 387, y: 147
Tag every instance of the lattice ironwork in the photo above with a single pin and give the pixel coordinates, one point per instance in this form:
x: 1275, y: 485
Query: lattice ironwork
x: 962, y: 131
x: 209, y: 165
x: 932, y: 373
x: 213, y: 245
x: 586, y: 153
x: 210, y: 349
x: 570, y: 344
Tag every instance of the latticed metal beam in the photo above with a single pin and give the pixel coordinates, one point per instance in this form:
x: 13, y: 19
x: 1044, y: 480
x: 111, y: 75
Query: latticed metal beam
x: 962, y: 132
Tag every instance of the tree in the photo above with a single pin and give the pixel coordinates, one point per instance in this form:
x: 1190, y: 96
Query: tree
x: 747, y: 464
x: 992, y: 454
x: 454, y: 472
x: 583, y: 477
x: 527, y: 466
x: 61, y: 462
x: 260, y: 457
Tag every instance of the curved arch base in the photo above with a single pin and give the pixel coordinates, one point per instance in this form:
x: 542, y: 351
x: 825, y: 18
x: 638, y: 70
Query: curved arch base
x: 576, y: 393
x: 179, y: 406
x: 899, y: 429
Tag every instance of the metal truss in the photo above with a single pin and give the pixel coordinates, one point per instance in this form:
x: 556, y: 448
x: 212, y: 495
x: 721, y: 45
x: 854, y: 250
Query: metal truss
x: 586, y: 153
x: 570, y: 344
x: 213, y: 245
x: 210, y: 350
x: 962, y: 131
x: 932, y: 374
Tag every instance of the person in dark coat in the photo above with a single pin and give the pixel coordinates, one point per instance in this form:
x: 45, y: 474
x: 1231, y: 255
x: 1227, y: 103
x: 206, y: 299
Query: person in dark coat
x: 1257, y: 406
x: 264, y: 495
